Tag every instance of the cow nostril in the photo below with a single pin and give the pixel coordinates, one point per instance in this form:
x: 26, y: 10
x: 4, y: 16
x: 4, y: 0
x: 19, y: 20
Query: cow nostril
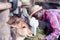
x: 32, y: 34
x: 27, y: 36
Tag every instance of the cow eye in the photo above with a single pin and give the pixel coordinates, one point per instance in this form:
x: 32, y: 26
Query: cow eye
x: 23, y: 27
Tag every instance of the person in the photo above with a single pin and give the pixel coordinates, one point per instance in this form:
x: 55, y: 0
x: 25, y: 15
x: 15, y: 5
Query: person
x: 52, y: 19
x: 34, y: 23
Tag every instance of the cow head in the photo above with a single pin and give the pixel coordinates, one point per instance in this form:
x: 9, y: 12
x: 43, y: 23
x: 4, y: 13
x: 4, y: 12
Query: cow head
x: 20, y: 27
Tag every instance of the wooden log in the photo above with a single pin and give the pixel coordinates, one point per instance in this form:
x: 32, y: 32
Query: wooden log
x: 4, y: 6
x: 5, y: 0
x: 4, y: 27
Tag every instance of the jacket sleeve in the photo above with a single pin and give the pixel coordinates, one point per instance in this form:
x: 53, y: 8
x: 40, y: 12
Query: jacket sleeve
x: 54, y: 24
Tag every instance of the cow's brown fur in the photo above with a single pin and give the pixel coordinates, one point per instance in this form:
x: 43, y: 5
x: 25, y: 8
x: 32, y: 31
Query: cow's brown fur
x: 20, y: 25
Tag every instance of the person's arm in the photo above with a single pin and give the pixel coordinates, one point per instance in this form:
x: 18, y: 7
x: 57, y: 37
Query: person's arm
x: 55, y: 25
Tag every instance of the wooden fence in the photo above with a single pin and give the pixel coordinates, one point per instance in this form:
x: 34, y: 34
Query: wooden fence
x: 4, y: 16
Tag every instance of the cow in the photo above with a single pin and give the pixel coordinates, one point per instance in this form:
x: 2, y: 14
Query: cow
x: 20, y: 28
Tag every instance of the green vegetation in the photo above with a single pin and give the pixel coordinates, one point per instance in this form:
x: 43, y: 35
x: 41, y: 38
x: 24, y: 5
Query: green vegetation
x: 39, y: 35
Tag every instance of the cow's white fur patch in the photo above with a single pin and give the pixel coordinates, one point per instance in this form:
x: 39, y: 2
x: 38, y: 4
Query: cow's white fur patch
x: 34, y: 23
